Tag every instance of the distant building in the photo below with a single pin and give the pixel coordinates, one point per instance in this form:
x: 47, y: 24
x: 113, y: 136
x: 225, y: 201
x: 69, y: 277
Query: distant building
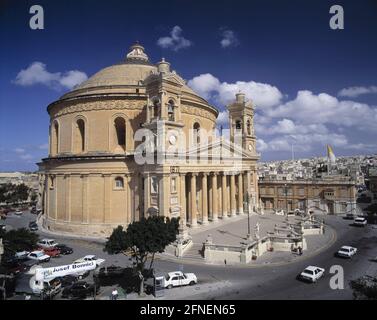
x: 331, y: 195
x: 372, y: 179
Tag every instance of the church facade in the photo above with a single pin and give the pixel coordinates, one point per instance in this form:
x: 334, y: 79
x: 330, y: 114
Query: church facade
x: 134, y: 140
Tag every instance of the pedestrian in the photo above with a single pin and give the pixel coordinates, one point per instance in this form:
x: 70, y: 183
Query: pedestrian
x: 300, y: 251
x: 225, y: 261
x: 114, y: 294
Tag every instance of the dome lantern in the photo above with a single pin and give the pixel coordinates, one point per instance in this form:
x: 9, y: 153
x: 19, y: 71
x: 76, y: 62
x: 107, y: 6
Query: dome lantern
x: 137, y: 53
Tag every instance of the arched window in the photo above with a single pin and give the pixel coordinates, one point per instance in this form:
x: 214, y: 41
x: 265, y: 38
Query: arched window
x: 238, y: 125
x: 55, y: 138
x: 248, y: 127
x: 196, y: 128
x: 171, y: 116
x: 120, y: 132
x: 79, y: 143
x: 119, y: 183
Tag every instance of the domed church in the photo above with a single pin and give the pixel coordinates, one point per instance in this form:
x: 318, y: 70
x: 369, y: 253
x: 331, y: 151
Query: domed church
x: 133, y: 141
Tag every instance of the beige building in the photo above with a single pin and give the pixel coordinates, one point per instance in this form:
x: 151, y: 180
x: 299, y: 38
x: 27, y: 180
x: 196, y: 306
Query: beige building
x: 94, y: 180
x: 330, y: 195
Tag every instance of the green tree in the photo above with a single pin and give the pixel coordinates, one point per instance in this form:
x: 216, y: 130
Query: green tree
x: 33, y: 196
x: 19, y: 240
x: 143, y: 239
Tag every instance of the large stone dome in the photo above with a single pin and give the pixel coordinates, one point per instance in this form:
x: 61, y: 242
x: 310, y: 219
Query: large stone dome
x: 129, y: 73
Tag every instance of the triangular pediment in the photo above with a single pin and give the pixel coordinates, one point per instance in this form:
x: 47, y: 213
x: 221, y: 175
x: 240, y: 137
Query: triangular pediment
x: 222, y: 148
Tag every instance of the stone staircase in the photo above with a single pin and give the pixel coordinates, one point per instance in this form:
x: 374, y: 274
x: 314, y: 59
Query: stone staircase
x: 194, y: 253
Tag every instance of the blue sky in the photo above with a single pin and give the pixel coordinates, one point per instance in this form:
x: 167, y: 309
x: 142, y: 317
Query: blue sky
x: 312, y: 85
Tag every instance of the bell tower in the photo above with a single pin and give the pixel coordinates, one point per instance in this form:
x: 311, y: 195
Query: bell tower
x: 241, y: 122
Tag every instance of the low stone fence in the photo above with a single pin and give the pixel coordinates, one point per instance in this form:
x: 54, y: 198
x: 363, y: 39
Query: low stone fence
x: 251, y: 250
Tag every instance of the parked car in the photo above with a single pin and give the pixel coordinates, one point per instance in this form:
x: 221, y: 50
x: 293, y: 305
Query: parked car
x: 18, y: 212
x: 90, y: 258
x: 14, y: 266
x: 346, y: 252
x: 360, y: 222
x: 311, y: 273
x: 52, y: 252
x: 47, y: 243
x: 3, y: 227
x: 21, y: 255
x: 178, y: 278
x: 68, y: 280
x: 349, y: 216
x: 111, y: 272
x: 33, y: 226
x: 80, y: 289
x: 64, y: 249
x: 38, y: 255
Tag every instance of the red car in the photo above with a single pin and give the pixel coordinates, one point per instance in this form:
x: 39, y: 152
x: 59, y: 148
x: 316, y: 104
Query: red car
x: 52, y: 252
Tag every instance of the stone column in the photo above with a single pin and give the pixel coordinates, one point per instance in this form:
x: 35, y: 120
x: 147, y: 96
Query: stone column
x: 163, y: 195
x: 204, y: 198
x: 224, y: 196
x: 107, y: 198
x: 232, y: 195
x: 194, y: 210
x: 85, y: 211
x: 128, y: 199
x: 67, y: 179
x: 240, y: 194
x: 146, y: 194
x: 215, y: 212
x: 183, y: 199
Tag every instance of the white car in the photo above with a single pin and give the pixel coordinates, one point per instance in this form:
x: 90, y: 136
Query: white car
x: 90, y: 258
x: 18, y: 212
x: 346, y: 252
x: 312, y: 273
x: 39, y: 256
x: 21, y: 254
x: 178, y: 278
x: 47, y: 243
x: 362, y: 222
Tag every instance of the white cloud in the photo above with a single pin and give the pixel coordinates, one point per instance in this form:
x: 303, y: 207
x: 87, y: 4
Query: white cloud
x: 205, y: 85
x: 261, y: 145
x: 176, y: 41
x: 229, y: 39
x: 263, y: 95
x: 353, y: 92
x: 26, y: 156
x: 323, y: 108
x: 37, y: 73
x: 43, y: 146
x: 19, y: 150
x: 223, y: 118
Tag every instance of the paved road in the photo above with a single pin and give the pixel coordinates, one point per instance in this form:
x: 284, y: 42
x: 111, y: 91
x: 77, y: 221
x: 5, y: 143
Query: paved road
x: 261, y: 282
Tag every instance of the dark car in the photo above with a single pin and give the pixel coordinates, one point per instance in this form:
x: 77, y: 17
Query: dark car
x: 33, y: 226
x: 111, y: 271
x: 68, y: 280
x: 3, y: 227
x: 80, y: 289
x: 13, y: 266
x: 64, y: 249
